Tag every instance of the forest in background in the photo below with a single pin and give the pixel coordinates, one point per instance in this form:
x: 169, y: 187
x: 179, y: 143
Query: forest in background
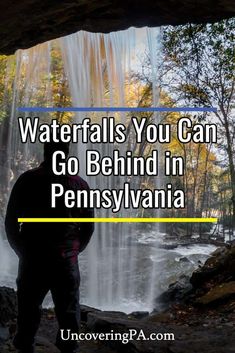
x: 197, y: 68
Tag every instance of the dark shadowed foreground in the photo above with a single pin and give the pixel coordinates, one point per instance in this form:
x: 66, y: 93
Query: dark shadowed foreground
x: 200, y: 311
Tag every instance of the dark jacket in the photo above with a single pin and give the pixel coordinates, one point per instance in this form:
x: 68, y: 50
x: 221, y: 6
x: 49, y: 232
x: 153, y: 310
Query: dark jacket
x: 31, y: 198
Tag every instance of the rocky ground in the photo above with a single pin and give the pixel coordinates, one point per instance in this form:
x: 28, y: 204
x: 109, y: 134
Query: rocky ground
x: 200, y: 311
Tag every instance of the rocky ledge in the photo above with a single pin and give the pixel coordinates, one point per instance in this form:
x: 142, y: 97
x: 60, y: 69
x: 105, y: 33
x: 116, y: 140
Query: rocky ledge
x: 199, y: 311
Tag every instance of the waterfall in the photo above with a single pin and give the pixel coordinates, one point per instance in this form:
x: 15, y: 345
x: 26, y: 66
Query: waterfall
x: 97, y: 70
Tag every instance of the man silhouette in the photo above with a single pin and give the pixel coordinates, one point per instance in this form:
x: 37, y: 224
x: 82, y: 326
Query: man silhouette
x: 47, y: 251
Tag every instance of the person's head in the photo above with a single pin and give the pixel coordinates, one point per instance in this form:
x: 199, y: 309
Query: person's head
x: 51, y: 147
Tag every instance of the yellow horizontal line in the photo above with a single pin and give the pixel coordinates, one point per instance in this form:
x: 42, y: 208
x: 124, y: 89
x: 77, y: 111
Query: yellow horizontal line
x: 118, y: 220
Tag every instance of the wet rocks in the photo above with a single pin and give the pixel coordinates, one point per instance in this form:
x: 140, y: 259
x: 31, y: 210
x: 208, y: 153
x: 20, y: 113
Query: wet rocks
x: 177, y: 292
x: 204, y: 334
x: 184, y: 259
x: 139, y: 314
x: 211, y: 284
x: 218, y: 268
x: 8, y: 311
x: 8, y: 305
x: 4, y: 334
x: 85, y: 310
x: 199, y: 311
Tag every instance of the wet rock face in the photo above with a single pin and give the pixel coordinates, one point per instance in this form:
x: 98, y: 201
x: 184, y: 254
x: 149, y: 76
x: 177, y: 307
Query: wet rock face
x: 211, y: 284
x: 8, y: 305
x: 178, y: 292
x: 29, y: 22
x: 219, y: 268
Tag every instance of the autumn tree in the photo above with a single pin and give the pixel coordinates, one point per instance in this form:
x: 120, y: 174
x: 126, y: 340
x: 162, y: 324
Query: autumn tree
x: 199, y: 70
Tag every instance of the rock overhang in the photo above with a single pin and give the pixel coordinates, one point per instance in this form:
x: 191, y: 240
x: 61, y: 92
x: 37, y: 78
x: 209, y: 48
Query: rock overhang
x: 29, y: 22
